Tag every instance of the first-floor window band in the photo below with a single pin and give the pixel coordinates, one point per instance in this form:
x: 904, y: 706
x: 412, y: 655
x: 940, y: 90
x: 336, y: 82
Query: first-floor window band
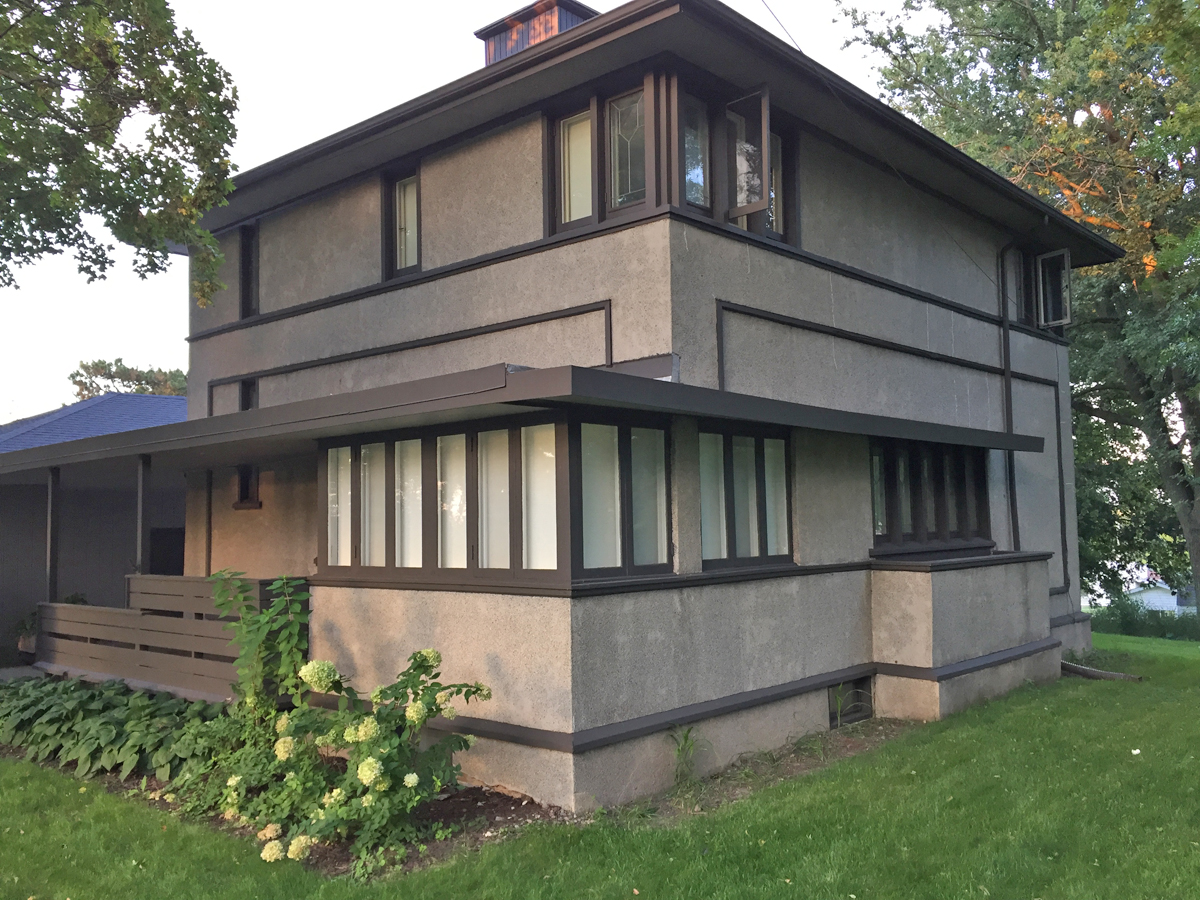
x: 878, y: 492
x: 904, y: 493
x: 601, y: 500
x: 339, y: 546
x: 539, y: 510
x: 408, y: 504
x: 373, y: 505
x: 745, y: 498
x: 775, y: 465
x: 712, y: 496
x: 493, y: 499
x: 648, y: 456
x: 452, y: 501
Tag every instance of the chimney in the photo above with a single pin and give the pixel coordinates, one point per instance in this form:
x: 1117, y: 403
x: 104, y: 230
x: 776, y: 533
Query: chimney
x: 529, y: 26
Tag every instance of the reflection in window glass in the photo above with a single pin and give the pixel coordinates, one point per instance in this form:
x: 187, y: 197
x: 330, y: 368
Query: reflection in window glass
x: 745, y: 127
x: 745, y: 498
x: 408, y: 504
x: 775, y: 208
x: 452, y: 501
x: 493, y: 499
x: 406, y: 223
x: 539, y: 512
x: 601, y: 497
x: 575, y: 157
x: 713, y: 542
x: 627, y: 149
x: 339, y: 547
x: 878, y: 492
x: 1054, y: 288
x: 950, y: 476
x: 774, y: 458
x: 373, y: 504
x: 904, y: 493
x: 928, y: 499
x: 648, y: 458
x: 695, y: 151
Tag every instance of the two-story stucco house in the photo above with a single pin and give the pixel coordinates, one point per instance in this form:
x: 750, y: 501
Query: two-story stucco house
x: 655, y: 375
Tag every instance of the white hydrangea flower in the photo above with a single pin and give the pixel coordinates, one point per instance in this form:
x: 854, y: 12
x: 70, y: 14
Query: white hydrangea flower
x: 281, y: 723
x: 368, y: 770
x: 233, y: 781
x: 272, y: 851
x: 415, y: 712
x: 337, y: 795
x: 319, y: 674
x: 368, y: 729
x: 270, y: 832
x: 350, y: 735
x: 449, y: 712
x: 411, y: 780
x: 300, y: 847
x: 284, y: 747
x: 431, y: 658
x: 368, y: 800
x: 470, y: 739
x: 483, y: 691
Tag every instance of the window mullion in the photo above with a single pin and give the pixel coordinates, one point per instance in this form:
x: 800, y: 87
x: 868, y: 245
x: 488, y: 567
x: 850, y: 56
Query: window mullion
x: 516, y: 499
x: 760, y: 487
x: 430, y: 501
x: 625, y: 481
x: 355, y: 505
x: 472, y: 482
x: 389, y: 504
x: 730, y: 511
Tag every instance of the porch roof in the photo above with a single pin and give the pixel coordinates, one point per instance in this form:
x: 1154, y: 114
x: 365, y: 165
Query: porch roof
x: 294, y: 428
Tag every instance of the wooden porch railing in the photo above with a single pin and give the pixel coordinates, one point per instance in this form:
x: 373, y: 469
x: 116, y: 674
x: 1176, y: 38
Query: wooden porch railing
x: 170, y: 638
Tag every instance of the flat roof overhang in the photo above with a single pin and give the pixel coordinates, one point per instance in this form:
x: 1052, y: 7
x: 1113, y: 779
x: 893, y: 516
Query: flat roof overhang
x: 704, y: 33
x: 295, y: 428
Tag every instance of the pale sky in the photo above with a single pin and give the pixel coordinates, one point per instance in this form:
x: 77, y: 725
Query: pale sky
x: 303, y: 70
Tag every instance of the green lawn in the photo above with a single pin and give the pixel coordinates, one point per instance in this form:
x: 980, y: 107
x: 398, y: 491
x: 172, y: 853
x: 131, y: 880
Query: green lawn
x: 1035, y: 796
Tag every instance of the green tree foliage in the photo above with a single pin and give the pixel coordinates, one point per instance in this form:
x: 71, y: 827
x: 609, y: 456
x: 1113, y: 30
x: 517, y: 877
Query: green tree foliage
x: 1095, y: 107
x: 108, y: 111
x: 99, y: 376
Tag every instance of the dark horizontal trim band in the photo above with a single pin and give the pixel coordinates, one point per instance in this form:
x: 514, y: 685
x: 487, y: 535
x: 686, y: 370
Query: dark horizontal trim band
x: 604, y: 306
x: 1072, y: 618
x: 967, y: 666
x: 964, y: 562
x: 1060, y: 589
x: 619, y: 732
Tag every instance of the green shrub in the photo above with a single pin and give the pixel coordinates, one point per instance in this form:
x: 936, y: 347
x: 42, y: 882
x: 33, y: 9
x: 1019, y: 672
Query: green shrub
x: 1128, y: 615
x: 99, y: 727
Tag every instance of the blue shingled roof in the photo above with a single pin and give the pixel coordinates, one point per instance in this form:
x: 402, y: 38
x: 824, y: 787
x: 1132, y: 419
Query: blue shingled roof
x: 106, y: 414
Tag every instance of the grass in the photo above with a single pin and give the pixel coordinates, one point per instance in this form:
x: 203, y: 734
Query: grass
x: 1035, y: 796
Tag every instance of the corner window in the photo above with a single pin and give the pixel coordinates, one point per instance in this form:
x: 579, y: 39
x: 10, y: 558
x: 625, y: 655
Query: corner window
x: 928, y: 497
x: 695, y: 152
x: 626, y: 118
x: 624, y: 527
x: 747, y: 131
x: 744, y: 508
x: 575, y: 167
x: 1054, y: 289
x: 406, y: 237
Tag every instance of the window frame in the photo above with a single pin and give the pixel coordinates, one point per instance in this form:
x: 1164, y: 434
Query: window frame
x: 944, y: 541
x: 759, y: 434
x: 610, y: 208
x: 1039, y: 284
x: 248, y: 271
x: 391, y: 247
x: 623, y: 424
x: 429, y: 574
x: 592, y: 111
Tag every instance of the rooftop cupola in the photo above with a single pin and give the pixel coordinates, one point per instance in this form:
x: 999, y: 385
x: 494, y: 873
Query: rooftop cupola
x: 531, y: 25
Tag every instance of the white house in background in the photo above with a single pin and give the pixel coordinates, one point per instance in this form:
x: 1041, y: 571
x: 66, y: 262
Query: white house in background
x: 1157, y: 594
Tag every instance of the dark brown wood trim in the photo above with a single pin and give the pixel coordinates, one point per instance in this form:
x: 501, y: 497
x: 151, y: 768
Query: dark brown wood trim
x: 1060, y: 589
x: 53, y: 517
x: 967, y: 666
x: 965, y: 562
x: 604, y: 306
x: 1072, y: 618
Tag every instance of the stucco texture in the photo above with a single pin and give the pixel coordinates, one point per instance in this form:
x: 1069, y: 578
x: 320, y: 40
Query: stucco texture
x: 483, y: 196
x: 831, y: 499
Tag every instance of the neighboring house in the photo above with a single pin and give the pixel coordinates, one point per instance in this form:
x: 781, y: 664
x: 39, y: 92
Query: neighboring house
x: 1157, y: 594
x: 97, y: 516
x: 655, y: 375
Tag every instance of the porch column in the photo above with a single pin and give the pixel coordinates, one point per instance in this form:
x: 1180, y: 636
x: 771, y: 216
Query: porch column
x: 143, y: 515
x: 53, y: 501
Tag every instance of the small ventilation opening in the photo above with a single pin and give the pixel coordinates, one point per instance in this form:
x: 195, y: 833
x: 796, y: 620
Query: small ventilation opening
x: 851, y: 701
x: 531, y: 25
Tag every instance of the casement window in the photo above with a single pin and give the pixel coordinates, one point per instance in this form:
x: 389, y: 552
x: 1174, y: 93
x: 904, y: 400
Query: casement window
x: 775, y: 195
x: 405, y: 220
x: 696, y: 152
x: 928, y: 497
x: 247, y: 488
x: 248, y: 270
x: 248, y: 394
x: 748, y: 139
x: 626, y: 118
x: 744, y: 499
x: 1054, y: 289
x: 482, y: 503
x: 622, y: 490
x: 575, y: 168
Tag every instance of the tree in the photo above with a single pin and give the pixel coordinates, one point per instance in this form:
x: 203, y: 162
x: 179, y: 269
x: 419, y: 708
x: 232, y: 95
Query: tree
x: 99, y: 377
x: 1094, y: 106
x: 107, y: 111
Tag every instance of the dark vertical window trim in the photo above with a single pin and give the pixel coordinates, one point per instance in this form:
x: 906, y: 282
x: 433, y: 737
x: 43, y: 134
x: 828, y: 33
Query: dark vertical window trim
x: 516, y: 501
x: 390, y: 219
x: 248, y: 270
x: 355, y: 505
x: 792, y: 173
x: 208, y: 519
x: 550, y: 186
x: 651, y: 112
x: 599, y: 157
x: 247, y: 394
x: 389, y: 499
x: 672, y: 144
x: 323, y: 507
x: 568, y: 506
x: 430, y: 503
x: 473, y: 500
x: 718, y: 148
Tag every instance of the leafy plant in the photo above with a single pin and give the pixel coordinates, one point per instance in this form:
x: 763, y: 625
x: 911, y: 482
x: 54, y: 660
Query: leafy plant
x: 686, y: 745
x: 848, y: 700
x: 1128, y: 615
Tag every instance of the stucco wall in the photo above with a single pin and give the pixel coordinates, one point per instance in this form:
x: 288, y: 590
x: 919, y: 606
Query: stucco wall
x: 630, y: 268
x: 853, y: 212
x: 1037, y: 475
x: 482, y: 196
x: 322, y: 247
x: 831, y: 497
x: 636, y: 654
x: 519, y: 646
x: 280, y: 538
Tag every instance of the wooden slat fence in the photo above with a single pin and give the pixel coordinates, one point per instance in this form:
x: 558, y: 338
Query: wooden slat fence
x: 170, y: 638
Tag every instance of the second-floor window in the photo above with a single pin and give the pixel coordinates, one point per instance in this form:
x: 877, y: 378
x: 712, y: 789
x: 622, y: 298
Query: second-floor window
x: 626, y: 150
x: 575, y: 167
x: 406, y: 234
x: 696, y: 150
